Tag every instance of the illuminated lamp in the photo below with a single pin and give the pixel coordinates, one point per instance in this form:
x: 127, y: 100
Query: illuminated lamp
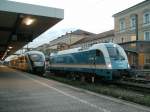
x: 28, y: 21
x: 10, y: 47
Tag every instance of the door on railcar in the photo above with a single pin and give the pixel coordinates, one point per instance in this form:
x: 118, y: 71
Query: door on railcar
x: 96, y: 59
x: 92, y: 60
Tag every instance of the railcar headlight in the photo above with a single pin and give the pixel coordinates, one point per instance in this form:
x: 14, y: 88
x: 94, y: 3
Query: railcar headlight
x: 109, y: 65
x: 38, y: 63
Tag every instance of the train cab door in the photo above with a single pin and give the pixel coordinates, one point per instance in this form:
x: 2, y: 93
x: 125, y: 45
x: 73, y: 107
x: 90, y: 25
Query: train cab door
x: 92, y: 59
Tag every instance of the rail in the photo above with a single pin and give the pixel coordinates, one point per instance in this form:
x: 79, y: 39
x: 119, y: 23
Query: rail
x: 143, y: 74
x: 138, y: 85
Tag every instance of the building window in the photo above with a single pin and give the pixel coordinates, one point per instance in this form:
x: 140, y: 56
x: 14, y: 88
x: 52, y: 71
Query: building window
x: 147, y: 58
x: 133, y: 38
x: 147, y: 35
x: 133, y: 22
x: 146, y: 18
x: 122, y: 25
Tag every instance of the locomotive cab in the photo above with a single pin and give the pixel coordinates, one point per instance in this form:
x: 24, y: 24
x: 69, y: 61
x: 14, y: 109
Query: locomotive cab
x: 118, y: 61
x: 118, y: 58
x: 37, y: 62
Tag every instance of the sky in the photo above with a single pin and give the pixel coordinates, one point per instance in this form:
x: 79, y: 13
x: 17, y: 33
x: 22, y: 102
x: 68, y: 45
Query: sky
x: 89, y: 15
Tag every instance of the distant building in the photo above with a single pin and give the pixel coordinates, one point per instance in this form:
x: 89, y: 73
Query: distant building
x: 132, y: 31
x: 43, y: 48
x: 65, y: 41
x: 107, y: 36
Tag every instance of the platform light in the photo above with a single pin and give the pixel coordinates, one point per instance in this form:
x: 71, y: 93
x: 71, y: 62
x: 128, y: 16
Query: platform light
x: 28, y: 21
x: 10, y: 47
x: 8, y: 50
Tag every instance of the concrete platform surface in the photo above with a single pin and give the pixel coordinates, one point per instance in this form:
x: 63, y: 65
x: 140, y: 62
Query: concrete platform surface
x: 24, y: 92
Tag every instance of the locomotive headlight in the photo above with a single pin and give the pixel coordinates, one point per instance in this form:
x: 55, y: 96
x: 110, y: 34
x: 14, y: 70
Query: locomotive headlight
x: 109, y: 66
x: 128, y: 66
x: 114, y: 45
x: 38, y: 64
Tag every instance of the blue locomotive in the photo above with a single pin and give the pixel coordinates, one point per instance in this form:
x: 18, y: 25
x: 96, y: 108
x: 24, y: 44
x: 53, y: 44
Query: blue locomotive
x: 106, y: 60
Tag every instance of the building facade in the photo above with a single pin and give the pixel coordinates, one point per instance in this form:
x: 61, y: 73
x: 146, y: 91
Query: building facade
x: 43, y: 48
x: 132, y: 31
x: 107, y: 36
x: 65, y: 41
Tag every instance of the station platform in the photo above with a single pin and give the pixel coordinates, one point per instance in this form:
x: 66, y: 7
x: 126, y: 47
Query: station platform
x: 24, y: 92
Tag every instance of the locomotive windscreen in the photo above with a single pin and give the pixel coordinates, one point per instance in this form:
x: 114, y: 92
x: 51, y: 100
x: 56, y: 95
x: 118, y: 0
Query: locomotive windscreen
x: 114, y: 53
x: 36, y: 57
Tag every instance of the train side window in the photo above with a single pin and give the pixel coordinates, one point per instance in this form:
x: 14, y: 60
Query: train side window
x: 99, y: 57
x: 98, y: 53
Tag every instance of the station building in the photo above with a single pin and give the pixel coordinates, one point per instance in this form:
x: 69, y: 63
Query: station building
x: 132, y: 31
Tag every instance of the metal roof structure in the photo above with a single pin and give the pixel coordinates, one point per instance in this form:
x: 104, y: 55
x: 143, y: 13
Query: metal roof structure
x: 20, y: 23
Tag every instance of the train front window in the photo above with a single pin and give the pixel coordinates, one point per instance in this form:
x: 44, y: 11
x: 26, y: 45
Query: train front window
x: 37, y: 58
x: 114, y: 53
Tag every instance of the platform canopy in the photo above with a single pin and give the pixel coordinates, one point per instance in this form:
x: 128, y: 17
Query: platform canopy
x: 20, y: 23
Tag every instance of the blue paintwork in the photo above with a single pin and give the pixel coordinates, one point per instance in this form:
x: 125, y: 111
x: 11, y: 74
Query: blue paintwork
x: 119, y: 64
x: 88, y: 57
x: 78, y: 58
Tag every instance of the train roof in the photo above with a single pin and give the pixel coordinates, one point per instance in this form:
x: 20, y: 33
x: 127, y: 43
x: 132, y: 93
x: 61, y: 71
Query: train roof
x: 24, y: 54
x: 66, y: 51
x: 80, y: 49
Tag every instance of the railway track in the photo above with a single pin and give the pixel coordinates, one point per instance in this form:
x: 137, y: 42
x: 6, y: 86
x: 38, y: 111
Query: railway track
x: 143, y: 87
x: 135, y: 84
